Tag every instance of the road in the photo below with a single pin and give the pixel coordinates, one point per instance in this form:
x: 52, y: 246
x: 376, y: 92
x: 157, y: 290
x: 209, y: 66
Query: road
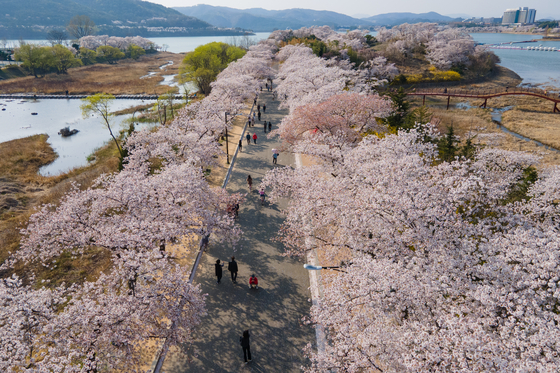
x: 274, y: 312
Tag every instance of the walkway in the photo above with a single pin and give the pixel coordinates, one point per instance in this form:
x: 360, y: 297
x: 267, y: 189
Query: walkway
x: 272, y: 313
x: 486, y: 94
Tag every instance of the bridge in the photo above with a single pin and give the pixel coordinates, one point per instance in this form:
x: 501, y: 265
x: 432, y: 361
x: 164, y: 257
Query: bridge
x: 486, y: 94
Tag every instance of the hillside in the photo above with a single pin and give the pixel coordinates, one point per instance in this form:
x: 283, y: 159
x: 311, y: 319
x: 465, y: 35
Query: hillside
x: 392, y: 19
x: 260, y: 20
x: 28, y: 18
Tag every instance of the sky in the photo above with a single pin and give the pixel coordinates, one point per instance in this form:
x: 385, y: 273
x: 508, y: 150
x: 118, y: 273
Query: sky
x: 478, y: 8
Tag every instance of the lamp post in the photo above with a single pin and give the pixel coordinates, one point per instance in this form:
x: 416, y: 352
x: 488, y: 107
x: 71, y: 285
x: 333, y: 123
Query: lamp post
x: 318, y: 268
x: 227, y: 142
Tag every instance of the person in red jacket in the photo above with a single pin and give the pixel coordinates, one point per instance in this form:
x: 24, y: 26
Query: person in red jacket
x: 255, y: 137
x: 253, y: 281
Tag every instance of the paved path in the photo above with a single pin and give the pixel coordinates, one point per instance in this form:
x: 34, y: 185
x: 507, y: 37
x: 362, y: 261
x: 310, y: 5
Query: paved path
x: 273, y: 313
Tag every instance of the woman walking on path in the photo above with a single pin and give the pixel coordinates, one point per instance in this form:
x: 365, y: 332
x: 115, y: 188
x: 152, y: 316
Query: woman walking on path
x: 250, y: 182
x: 255, y: 137
x: 246, y: 345
x: 218, y: 267
x: 264, y: 108
x: 259, y: 115
x: 261, y: 192
x: 269, y: 126
x: 232, y: 267
x: 265, y: 127
x: 248, y: 137
x: 240, y: 145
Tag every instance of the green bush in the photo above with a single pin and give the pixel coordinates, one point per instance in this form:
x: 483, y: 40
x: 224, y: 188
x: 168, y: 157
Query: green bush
x: 87, y: 56
x: 203, y: 65
x: 109, y: 54
x: 134, y: 52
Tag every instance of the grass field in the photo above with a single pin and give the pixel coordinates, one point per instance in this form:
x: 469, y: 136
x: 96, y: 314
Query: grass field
x: 120, y: 78
x: 22, y: 189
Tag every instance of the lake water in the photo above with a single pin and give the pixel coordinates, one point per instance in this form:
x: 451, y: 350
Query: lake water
x: 52, y: 115
x: 535, y: 67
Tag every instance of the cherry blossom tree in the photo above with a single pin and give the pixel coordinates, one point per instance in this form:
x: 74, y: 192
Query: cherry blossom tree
x: 324, y: 130
x: 445, y: 274
x: 306, y: 78
x: 450, y: 47
x: 160, y: 198
x: 377, y: 71
x: 24, y: 313
x: 94, y: 41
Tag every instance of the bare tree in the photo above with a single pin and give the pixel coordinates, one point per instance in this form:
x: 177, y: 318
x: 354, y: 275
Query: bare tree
x: 80, y: 26
x: 56, y: 36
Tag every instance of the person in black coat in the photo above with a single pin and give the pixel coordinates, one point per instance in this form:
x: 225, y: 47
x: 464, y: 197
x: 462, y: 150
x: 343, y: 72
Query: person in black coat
x: 232, y: 267
x: 245, y: 344
x: 218, y: 270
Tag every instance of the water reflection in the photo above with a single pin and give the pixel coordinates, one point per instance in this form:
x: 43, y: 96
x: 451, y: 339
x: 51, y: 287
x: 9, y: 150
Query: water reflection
x: 52, y: 115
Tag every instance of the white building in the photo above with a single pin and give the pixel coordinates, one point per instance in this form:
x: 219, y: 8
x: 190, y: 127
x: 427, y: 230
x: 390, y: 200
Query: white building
x: 520, y: 16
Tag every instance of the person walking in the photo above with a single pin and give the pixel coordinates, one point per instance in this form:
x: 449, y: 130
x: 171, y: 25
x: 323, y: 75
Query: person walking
x: 265, y: 126
x: 246, y: 345
x: 264, y: 108
x: 204, y: 241
x: 253, y: 120
x: 249, y: 120
x: 250, y: 182
x: 255, y: 137
x: 269, y: 126
x: 274, y: 158
x: 218, y: 267
x: 236, y: 209
x: 248, y: 137
x: 253, y: 281
x: 259, y: 115
x: 259, y: 107
x: 240, y: 145
x: 232, y: 267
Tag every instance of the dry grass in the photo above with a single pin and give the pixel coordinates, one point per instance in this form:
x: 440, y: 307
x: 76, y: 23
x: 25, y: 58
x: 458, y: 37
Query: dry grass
x: 120, y: 78
x: 478, y: 122
x: 543, y: 127
x: 530, y: 117
x: 22, y: 189
x: 218, y: 173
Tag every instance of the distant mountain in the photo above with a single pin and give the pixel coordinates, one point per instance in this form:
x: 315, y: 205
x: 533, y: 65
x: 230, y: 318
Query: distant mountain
x: 26, y: 18
x: 261, y: 20
x: 360, y: 16
x: 392, y: 19
x: 459, y: 15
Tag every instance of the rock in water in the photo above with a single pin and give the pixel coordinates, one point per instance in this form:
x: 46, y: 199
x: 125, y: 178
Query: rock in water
x: 66, y: 131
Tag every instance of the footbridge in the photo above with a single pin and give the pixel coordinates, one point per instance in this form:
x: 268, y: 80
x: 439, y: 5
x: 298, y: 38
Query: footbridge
x: 486, y: 94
